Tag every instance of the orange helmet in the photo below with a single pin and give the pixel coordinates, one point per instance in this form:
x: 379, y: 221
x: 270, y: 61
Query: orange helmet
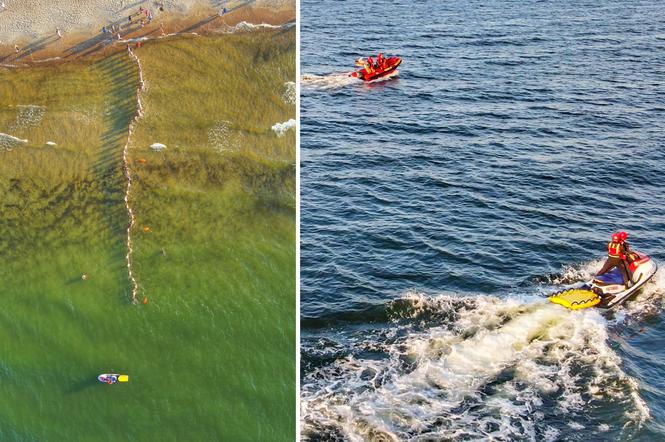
x: 623, y: 236
x: 616, y: 237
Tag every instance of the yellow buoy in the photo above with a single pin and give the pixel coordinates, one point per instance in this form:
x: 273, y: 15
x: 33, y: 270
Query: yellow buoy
x: 123, y: 378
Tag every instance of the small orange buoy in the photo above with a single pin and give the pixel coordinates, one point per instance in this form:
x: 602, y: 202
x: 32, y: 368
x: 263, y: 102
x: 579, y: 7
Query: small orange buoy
x: 146, y: 229
x: 145, y: 300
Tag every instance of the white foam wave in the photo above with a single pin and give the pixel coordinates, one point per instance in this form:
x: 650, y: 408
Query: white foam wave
x: 244, y: 26
x: 281, y: 128
x: 45, y: 60
x: 28, y: 115
x: 485, y: 372
x: 223, y: 138
x: 8, y: 142
x: 289, y: 95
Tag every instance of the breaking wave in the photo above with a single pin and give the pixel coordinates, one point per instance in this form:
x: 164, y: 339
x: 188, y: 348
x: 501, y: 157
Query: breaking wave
x: 8, y: 142
x: 27, y: 116
x: 281, y: 128
x: 289, y: 95
x: 244, y: 26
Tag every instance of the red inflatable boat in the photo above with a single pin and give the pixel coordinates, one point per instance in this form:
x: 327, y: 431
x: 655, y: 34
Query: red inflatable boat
x: 388, y: 66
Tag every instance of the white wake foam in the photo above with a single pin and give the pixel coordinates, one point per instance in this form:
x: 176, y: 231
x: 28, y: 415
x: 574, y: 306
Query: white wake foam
x: 331, y: 81
x: 494, y: 368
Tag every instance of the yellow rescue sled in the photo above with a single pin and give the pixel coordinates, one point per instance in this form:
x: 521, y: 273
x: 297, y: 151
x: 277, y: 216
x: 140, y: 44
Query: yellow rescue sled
x: 575, y: 299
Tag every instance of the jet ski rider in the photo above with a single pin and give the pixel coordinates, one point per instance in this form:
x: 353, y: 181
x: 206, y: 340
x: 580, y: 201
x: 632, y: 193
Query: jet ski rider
x: 617, y: 251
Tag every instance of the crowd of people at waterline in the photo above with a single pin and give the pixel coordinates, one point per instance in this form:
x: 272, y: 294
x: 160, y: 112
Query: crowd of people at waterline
x: 143, y: 16
x: 136, y: 20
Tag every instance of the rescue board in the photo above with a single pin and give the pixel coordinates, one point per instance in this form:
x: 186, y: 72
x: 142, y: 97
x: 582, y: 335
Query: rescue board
x: 575, y: 299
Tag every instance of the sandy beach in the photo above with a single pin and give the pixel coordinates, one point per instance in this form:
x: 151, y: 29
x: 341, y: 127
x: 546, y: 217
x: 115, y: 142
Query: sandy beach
x: 38, y: 31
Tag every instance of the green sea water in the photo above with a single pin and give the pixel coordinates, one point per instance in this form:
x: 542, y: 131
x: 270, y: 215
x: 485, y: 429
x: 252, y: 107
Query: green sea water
x: 211, y: 356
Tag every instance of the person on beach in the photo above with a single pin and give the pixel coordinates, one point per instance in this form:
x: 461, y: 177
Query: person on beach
x: 129, y: 18
x: 2, y: 6
x: 58, y: 32
x: 16, y: 49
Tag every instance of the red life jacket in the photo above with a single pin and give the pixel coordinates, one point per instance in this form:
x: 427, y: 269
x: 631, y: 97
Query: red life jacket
x: 614, y: 249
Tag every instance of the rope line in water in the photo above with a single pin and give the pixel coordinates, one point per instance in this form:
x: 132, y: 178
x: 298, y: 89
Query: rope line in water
x: 125, y: 163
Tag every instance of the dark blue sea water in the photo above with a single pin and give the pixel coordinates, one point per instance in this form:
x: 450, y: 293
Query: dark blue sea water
x: 439, y: 207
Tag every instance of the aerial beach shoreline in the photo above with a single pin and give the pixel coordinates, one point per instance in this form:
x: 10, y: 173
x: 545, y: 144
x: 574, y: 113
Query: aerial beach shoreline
x: 148, y: 208
x: 33, y: 26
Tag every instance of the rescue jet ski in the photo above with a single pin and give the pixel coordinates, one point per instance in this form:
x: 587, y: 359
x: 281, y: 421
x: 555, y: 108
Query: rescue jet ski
x: 112, y: 378
x: 608, y: 290
x: 376, y: 71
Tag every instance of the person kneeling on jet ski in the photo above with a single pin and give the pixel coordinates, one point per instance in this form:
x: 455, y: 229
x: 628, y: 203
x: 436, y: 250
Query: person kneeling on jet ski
x: 617, y: 249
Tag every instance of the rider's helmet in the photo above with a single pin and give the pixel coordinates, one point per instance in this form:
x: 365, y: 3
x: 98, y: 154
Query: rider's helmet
x: 616, y: 237
x: 623, y: 236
